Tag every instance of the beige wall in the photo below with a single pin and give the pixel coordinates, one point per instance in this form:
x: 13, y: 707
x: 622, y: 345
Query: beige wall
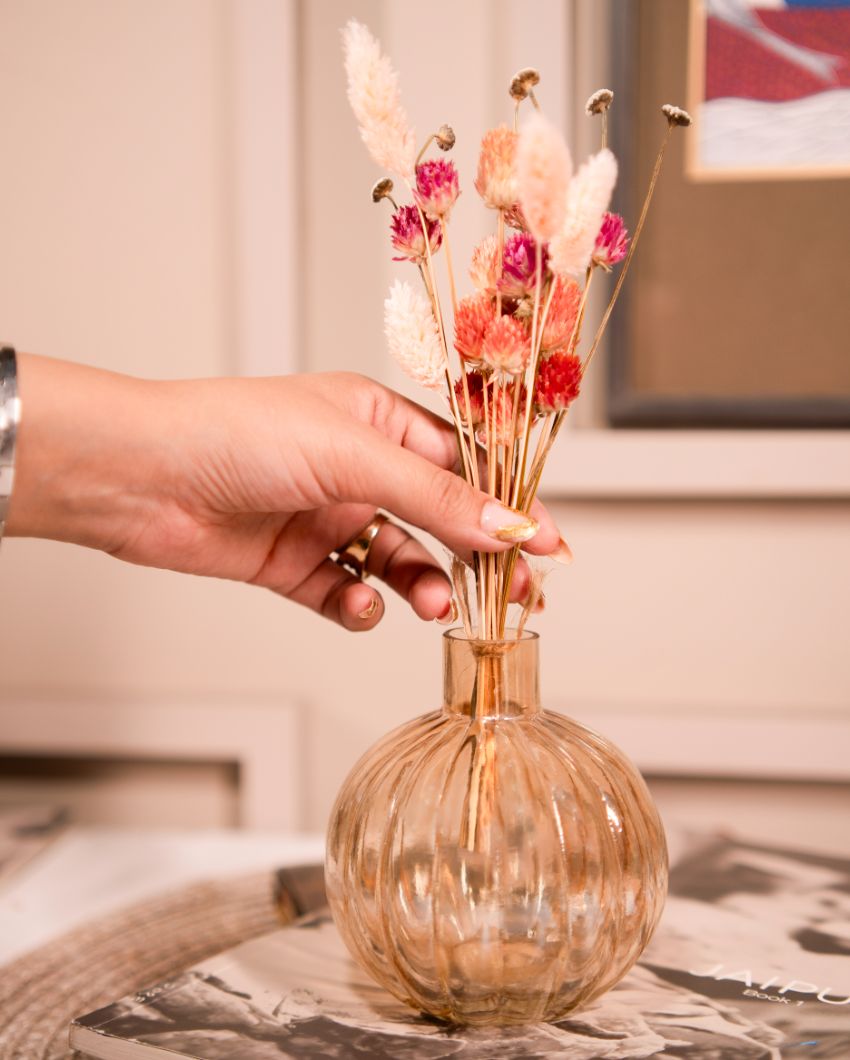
x: 119, y: 211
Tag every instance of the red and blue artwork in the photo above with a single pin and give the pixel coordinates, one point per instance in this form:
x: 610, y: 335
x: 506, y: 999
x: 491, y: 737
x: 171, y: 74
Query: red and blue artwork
x: 776, y: 90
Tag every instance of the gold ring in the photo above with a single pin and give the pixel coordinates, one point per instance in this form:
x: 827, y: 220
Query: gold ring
x: 354, y: 554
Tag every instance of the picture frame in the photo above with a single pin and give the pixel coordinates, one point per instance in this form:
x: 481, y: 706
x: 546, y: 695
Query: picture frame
x: 756, y: 396
x: 769, y: 89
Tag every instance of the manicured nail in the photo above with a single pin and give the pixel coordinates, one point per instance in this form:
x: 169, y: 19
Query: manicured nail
x: 369, y: 610
x: 563, y: 553
x: 449, y: 615
x: 507, y: 524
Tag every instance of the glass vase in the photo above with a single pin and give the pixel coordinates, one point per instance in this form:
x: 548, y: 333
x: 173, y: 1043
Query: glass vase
x: 493, y: 862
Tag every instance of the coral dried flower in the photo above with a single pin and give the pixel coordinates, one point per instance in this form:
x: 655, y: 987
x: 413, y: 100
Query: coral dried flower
x: 519, y: 265
x: 436, y: 187
x: 558, y: 382
x: 374, y: 96
x: 506, y: 346
x: 514, y: 218
x: 412, y: 336
x: 612, y: 243
x: 561, y: 318
x: 474, y: 315
x: 587, y: 200
x: 501, y: 414
x: 495, y: 180
x: 407, y: 236
x: 543, y: 171
x: 475, y: 387
x: 484, y: 268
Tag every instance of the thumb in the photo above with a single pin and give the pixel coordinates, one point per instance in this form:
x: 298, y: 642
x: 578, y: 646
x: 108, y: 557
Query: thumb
x: 376, y: 471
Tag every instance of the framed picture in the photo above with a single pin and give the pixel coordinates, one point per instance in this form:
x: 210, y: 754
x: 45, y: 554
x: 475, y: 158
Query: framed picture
x: 769, y: 89
x: 736, y: 312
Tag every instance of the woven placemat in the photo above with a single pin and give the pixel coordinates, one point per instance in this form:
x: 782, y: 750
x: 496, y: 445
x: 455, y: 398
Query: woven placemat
x: 118, y: 954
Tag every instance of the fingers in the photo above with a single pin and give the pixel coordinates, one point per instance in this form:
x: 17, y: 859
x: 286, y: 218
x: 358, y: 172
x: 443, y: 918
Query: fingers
x: 334, y: 593
x: 409, y: 569
x: 371, y: 468
x: 422, y: 432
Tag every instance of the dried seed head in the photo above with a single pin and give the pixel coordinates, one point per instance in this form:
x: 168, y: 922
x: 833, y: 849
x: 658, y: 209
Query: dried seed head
x: 445, y: 137
x: 523, y: 82
x: 599, y: 102
x: 381, y: 189
x: 675, y: 115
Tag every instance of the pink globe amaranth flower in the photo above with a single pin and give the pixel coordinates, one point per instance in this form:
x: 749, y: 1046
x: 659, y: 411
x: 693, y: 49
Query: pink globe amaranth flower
x: 612, y: 243
x: 475, y: 386
x: 562, y: 315
x: 407, y: 234
x: 436, y: 187
x: 558, y: 382
x: 474, y: 315
x: 495, y: 180
x: 519, y: 265
x: 506, y: 346
x: 407, y: 237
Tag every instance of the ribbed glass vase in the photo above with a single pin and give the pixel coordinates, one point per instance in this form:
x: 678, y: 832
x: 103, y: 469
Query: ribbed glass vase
x: 492, y: 862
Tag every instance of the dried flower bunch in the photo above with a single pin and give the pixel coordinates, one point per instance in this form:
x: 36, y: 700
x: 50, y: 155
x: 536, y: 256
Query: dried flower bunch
x: 518, y: 336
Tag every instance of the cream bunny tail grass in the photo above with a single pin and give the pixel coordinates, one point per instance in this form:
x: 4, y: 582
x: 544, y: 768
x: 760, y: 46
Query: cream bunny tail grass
x: 412, y: 337
x: 374, y: 96
x: 588, y: 198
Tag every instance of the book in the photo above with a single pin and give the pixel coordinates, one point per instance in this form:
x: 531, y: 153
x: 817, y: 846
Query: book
x: 750, y: 962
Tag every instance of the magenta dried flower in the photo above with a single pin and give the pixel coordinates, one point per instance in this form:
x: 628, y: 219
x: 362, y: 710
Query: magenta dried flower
x: 612, y: 242
x: 519, y: 265
x: 407, y: 236
x: 436, y: 187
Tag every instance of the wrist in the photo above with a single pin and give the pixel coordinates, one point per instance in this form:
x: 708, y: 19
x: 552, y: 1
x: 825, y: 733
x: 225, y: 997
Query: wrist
x: 83, y: 452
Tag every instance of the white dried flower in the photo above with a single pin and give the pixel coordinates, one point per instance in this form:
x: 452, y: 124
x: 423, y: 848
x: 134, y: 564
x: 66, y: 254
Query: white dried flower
x: 599, y: 102
x: 412, y: 336
x: 588, y: 198
x: 374, y: 96
x: 675, y: 115
x: 543, y: 171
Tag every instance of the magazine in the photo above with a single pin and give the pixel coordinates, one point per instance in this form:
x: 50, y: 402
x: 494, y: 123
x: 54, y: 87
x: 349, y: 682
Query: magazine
x: 750, y: 963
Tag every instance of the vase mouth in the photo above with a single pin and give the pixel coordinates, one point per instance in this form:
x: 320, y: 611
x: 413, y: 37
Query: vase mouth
x: 482, y: 645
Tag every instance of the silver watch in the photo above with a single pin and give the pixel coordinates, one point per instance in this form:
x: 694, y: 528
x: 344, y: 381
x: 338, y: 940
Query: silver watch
x: 10, y: 415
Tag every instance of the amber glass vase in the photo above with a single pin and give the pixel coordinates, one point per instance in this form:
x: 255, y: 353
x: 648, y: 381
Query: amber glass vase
x: 493, y: 862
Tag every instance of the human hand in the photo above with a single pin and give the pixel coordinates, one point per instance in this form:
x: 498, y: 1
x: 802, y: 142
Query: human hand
x: 256, y: 480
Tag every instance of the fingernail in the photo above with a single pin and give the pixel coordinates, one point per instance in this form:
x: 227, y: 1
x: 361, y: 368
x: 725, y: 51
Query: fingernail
x: 507, y: 524
x: 368, y: 611
x: 563, y: 553
x: 449, y: 616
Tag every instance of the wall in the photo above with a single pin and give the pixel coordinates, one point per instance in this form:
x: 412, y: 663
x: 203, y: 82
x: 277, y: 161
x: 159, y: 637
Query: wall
x: 124, y: 245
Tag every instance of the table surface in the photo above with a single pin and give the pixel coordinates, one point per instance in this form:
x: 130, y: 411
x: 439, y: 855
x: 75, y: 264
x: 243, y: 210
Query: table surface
x: 90, y: 871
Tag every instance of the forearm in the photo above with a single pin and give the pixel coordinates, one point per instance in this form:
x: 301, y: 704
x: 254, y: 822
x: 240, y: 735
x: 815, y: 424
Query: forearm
x: 84, y: 455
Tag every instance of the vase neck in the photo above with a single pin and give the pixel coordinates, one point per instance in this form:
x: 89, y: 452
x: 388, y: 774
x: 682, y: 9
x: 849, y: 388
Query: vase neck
x: 484, y: 678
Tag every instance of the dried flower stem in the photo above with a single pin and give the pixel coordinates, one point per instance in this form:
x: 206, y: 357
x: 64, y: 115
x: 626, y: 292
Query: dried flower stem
x: 462, y: 593
x: 425, y: 147
x: 473, y: 463
x: 638, y: 229
x: 431, y: 286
